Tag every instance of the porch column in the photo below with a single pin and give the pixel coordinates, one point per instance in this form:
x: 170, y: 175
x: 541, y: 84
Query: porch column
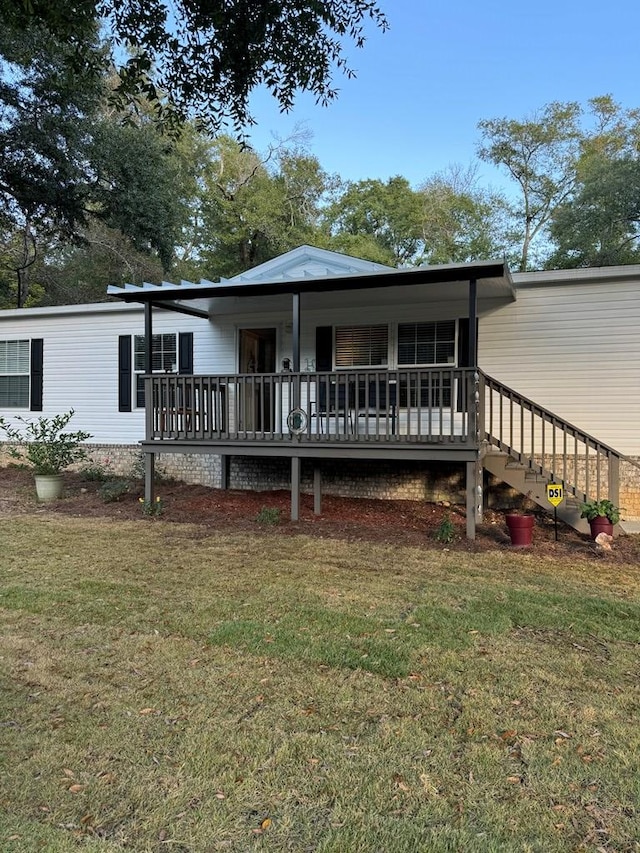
x: 295, y: 488
x: 295, y: 332
x: 473, y: 323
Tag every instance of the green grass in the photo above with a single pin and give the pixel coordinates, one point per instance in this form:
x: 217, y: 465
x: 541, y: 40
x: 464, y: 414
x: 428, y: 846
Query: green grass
x: 163, y: 689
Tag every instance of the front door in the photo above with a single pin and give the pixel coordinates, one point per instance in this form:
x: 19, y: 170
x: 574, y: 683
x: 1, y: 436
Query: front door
x: 257, y: 354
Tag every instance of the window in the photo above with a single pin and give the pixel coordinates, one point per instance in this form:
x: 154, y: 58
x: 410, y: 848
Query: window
x: 14, y: 374
x: 164, y: 357
x: 362, y: 346
x: 427, y: 343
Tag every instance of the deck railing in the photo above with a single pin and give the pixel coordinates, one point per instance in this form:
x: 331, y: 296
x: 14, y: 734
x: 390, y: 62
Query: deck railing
x: 435, y: 405
x: 548, y: 444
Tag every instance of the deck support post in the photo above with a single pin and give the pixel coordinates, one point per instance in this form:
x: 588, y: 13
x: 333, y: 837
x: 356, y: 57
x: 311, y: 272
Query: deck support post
x: 317, y: 491
x: 224, y: 471
x: 472, y: 493
x: 295, y: 488
x: 149, y: 478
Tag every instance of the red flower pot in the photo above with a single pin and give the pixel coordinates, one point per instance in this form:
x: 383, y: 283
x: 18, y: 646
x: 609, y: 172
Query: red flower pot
x: 600, y: 524
x: 520, y: 529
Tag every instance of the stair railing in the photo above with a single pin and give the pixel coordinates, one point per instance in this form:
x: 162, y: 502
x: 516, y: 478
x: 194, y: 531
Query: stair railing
x: 549, y: 445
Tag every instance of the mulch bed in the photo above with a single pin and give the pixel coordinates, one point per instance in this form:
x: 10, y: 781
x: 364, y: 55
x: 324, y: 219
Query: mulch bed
x: 358, y: 520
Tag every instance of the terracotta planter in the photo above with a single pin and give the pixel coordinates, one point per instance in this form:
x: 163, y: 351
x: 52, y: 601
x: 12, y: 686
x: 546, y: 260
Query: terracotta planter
x: 520, y: 529
x: 600, y: 524
x: 48, y: 486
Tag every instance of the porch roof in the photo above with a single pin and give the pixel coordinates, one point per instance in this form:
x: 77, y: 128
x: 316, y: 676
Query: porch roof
x: 493, y: 282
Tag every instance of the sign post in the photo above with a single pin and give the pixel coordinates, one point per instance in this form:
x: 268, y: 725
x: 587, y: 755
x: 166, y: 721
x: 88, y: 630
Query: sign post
x: 555, y: 496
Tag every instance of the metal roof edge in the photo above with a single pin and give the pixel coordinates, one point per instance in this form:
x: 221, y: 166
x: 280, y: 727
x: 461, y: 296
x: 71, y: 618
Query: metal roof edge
x: 580, y: 275
x: 65, y: 310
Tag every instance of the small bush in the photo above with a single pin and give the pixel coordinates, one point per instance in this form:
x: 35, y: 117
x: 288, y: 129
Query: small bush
x: 446, y: 531
x: 96, y: 472
x: 268, y: 515
x: 151, y: 508
x: 112, y: 490
x: 137, y: 470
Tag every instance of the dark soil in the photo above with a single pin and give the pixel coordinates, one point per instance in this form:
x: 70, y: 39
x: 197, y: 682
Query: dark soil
x: 391, y: 522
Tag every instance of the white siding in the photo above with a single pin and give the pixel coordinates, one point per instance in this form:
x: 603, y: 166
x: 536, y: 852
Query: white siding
x: 81, y: 363
x: 575, y: 349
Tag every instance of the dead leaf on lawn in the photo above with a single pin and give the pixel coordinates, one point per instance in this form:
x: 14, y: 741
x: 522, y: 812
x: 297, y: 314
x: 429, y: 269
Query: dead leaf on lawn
x: 75, y: 789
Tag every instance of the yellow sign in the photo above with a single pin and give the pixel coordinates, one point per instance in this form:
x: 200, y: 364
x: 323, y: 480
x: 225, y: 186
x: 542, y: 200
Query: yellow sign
x: 555, y: 493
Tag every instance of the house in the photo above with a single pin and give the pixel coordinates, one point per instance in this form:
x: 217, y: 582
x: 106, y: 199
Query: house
x: 334, y: 372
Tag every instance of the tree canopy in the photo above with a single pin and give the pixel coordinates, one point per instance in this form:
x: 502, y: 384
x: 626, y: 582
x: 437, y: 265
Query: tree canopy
x: 202, y: 58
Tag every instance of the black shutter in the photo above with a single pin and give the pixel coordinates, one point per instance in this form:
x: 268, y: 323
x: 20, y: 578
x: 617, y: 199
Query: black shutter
x: 463, y: 355
x: 324, y: 348
x: 463, y: 342
x: 37, y: 364
x: 185, y: 352
x: 124, y: 373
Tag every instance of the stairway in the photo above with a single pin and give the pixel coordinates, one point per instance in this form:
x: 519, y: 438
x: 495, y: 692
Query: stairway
x: 533, y: 484
x: 528, y: 446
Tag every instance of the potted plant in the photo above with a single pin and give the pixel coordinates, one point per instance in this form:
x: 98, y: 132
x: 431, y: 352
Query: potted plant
x: 45, y: 445
x: 601, y: 515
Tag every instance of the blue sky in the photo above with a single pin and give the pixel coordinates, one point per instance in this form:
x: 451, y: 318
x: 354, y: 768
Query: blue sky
x: 422, y: 86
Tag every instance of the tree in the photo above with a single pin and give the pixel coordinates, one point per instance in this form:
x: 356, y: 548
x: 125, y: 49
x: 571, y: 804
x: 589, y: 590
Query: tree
x: 540, y: 154
x: 600, y: 225
x: 206, y: 56
x: 80, y: 272
x: 45, y: 118
x: 388, y: 215
x: 462, y: 222
x: 249, y: 209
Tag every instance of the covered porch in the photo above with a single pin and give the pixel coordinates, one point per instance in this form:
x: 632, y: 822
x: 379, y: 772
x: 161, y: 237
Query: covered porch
x: 402, y: 412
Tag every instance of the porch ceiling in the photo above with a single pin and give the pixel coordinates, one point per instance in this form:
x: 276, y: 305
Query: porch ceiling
x: 432, y: 283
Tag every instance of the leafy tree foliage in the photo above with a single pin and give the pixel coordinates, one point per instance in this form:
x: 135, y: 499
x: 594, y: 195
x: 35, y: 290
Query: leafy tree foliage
x: 539, y: 153
x: 600, y: 224
x: 249, y: 209
x: 387, y: 214
x: 206, y: 56
x: 45, y: 118
x: 462, y: 222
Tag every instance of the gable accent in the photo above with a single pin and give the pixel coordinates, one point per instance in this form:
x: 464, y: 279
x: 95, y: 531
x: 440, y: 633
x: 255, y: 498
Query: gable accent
x: 37, y: 371
x: 124, y: 373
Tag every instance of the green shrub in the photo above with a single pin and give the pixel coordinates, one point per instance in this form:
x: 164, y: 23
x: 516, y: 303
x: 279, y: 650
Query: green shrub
x: 151, y: 508
x: 600, y: 509
x: 112, y: 490
x: 44, y: 444
x: 96, y: 472
x: 268, y: 515
x: 446, y: 531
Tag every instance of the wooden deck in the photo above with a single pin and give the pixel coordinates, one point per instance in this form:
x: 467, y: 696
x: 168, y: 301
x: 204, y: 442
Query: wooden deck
x: 400, y: 413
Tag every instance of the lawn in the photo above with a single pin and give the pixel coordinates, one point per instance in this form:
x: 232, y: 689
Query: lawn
x: 169, y: 688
